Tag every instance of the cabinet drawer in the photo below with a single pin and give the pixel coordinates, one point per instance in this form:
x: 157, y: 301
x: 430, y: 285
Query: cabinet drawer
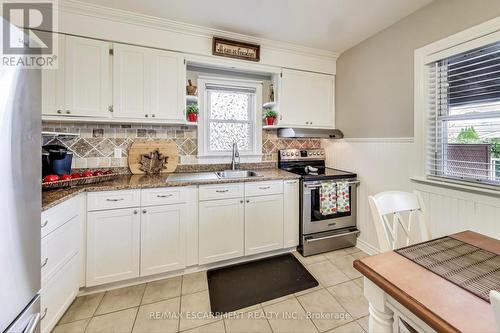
x: 58, y: 294
x: 58, y: 215
x: 222, y: 191
x: 162, y: 196
x: 58, y: 247
x: 113, y: 199
x: 263, y: 188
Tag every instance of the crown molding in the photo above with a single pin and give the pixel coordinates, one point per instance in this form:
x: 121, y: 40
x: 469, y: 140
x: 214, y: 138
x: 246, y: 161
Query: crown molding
x: 123, y: 16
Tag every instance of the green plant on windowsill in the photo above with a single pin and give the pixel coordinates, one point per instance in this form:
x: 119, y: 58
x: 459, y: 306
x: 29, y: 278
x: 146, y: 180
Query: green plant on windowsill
x: 192, y: 113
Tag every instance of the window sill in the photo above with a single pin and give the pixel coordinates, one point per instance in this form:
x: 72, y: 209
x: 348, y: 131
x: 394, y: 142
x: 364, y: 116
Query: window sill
x: 489, y: 190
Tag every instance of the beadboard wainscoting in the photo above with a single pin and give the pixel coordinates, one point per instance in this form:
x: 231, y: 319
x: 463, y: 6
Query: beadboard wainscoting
x: 450, y: 211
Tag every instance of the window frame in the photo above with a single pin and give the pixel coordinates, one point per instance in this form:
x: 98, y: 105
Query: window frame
x: 204, y: 152
x: 475, y: 37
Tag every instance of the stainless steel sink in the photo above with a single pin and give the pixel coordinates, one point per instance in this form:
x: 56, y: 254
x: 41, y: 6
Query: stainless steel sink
x: 236, y: 174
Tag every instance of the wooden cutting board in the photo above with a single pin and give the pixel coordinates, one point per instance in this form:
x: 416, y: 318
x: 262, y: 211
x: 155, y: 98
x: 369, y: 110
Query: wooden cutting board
x: 139, y: 148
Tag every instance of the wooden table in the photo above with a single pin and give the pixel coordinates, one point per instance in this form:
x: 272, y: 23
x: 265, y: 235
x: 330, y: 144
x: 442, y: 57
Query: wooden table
x: 399, y: 289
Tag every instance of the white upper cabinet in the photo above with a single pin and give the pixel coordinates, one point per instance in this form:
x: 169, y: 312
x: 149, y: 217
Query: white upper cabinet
x: 148, y: 83
x: 307, y: 99
x: 53, y: 85
x: 87, y: 77
x: 167, y: 73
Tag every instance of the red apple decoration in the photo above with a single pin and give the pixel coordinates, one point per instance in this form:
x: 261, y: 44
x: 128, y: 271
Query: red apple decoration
x: 76, y: 175
x: 87, y: 174
x: 50, y: 178
x: 65, y: 177
x: 98, y: 173
x: 108, y: 172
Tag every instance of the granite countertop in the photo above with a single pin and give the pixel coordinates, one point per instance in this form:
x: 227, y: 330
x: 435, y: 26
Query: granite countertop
x: 123, y: 182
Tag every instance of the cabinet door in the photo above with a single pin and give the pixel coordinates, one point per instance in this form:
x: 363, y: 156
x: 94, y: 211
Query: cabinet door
x: 130, y: 98
x: 113, y: 239
x: 307, y: 99
x: 291, y: 210
x: 220, y: 230
x: 263, y: 223
x: 87, y: 77
x: 53, y: 85
x: 163, y: 239
x: 166, y: 85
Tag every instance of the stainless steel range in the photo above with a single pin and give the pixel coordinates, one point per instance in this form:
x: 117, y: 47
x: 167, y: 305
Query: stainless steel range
x: 320, y: 232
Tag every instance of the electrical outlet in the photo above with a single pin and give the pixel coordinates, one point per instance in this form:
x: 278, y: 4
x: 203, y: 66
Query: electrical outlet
x: 118, y: 152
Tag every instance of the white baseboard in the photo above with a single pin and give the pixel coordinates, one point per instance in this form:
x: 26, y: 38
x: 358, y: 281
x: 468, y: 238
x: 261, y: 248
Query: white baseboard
x: 367, y: 248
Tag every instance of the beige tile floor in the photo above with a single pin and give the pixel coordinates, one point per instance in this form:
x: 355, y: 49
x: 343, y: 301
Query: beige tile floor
x: 181, y: 304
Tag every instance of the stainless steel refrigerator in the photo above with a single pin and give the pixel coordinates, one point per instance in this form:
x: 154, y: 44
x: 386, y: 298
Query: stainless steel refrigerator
x: 20, y: 199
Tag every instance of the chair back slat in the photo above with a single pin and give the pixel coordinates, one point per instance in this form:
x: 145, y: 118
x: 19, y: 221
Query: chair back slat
x: 396, y: 215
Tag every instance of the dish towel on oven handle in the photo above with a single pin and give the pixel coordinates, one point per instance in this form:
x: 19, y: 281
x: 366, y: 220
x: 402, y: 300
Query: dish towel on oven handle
x: 328, y: 198
x: 343, y: 197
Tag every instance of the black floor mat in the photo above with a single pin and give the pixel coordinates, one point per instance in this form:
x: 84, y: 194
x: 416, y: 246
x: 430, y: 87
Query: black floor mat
x: 238, y: 286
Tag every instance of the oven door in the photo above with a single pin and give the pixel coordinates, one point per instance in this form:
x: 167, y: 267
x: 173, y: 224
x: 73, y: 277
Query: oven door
x: 312, y: 219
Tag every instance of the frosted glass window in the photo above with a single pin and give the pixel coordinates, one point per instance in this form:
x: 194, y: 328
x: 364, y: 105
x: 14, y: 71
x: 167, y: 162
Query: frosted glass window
x: 230, y: 118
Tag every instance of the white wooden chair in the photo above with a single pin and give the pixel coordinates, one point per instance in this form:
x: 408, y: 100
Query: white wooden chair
x: 495, y: 303
x: 394, y: 212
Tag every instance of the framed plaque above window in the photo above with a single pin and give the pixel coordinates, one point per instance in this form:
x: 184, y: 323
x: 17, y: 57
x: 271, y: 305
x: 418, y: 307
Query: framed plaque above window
x: 234, y: 49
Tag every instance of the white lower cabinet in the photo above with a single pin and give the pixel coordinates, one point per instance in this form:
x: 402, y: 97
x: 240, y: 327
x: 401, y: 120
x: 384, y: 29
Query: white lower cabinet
x: 60, y: 261
x: 263, y: 223
x: 113, y: 245
x: 163, y: 239
x: 291, y: 212
x: 59, y: 293
x: 221, y: 230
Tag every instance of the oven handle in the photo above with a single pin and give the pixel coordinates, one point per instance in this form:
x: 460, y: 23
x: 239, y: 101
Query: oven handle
x: 332, y: 236
x: 354, y: 182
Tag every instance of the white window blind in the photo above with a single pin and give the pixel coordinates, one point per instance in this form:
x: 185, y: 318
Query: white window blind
x: 463, y: 139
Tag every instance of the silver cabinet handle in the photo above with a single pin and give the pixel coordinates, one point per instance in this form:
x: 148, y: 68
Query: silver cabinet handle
x: 33, y: 324
x: 114, y: 200
x: 164, y: 195
x: 221, y: 191
x: 68, y: 111
x: 153, y: 115
x: 136, y: 212
x: 264, y: 188
x: 144, y: 211
x: 146, y: 115
x: 241, y: 201
x: 44, y: 224
x: 44, y: 313
x: 59, y: 111
x: 45, y: 262
x: 248, y: 201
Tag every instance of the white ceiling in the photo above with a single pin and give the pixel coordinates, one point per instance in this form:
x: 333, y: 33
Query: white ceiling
x: 334, y: 25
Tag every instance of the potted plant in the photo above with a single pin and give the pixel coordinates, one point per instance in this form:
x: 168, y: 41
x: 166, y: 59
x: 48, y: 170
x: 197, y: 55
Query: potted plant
x: 192, y: 113
x: 270, y: 116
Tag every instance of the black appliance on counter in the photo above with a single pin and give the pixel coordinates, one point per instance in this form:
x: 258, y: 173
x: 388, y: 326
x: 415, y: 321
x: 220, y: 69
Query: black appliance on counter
x: 56, y: 160
x: 320, y: 233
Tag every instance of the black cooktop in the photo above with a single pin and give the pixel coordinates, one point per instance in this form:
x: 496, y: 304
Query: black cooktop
x: 322, y: 173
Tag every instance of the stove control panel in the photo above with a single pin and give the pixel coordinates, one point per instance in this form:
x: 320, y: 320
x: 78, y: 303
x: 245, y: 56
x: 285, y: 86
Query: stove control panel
x: 300, y: 155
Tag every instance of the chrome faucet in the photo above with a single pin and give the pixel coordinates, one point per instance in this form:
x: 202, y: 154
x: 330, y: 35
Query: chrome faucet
x: 235, y: 165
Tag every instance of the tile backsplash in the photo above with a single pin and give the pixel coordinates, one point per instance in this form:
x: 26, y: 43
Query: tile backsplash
x: 94, y: 147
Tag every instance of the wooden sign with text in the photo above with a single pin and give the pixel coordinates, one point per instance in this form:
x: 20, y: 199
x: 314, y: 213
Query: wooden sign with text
x: 234, y: 49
